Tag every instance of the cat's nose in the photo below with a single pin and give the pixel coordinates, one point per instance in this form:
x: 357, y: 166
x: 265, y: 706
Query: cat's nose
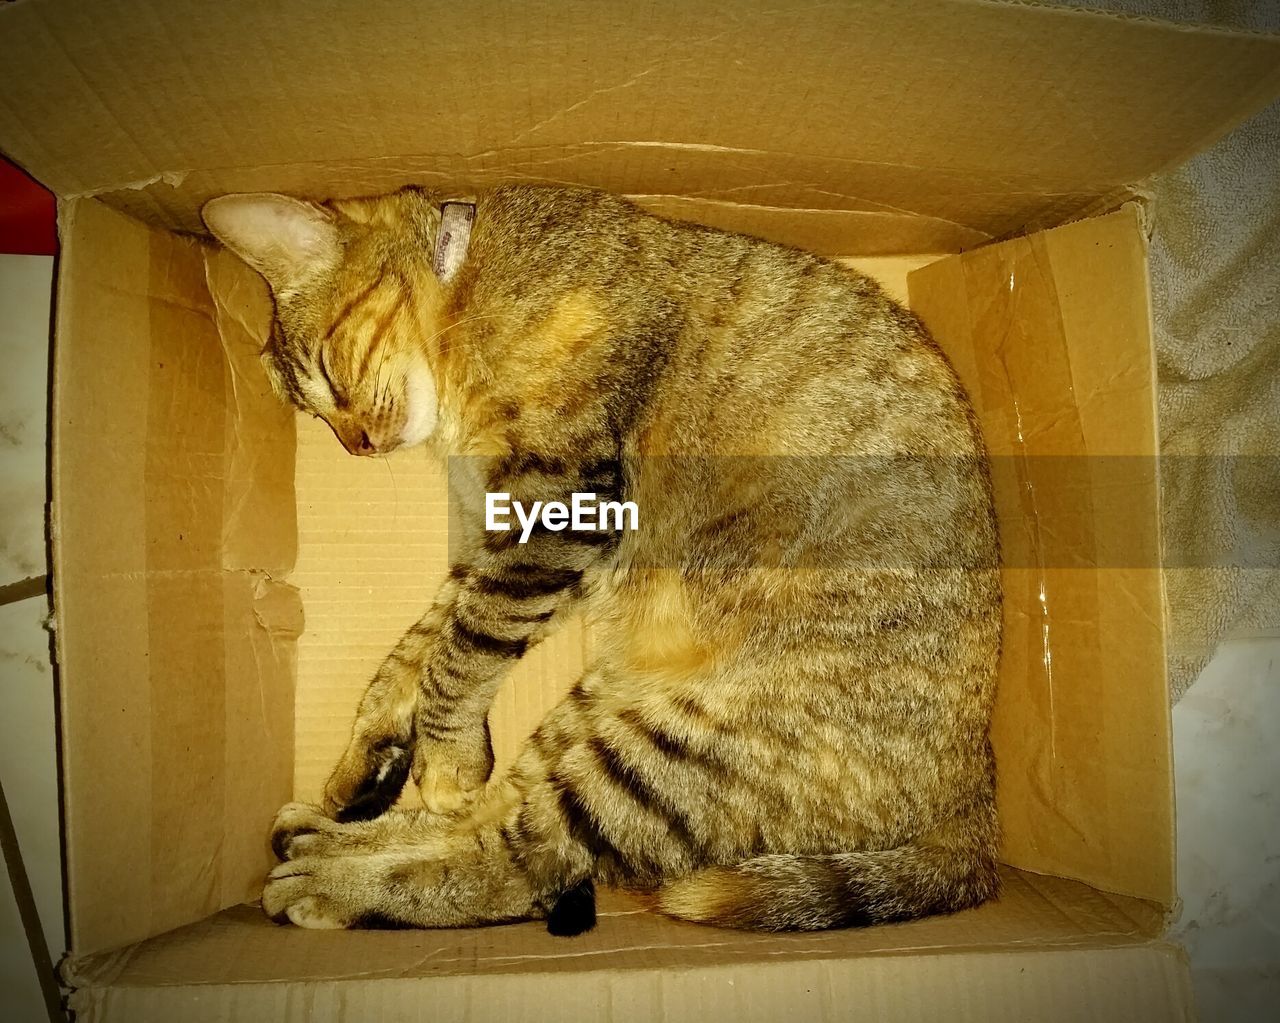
x: 357, y: 442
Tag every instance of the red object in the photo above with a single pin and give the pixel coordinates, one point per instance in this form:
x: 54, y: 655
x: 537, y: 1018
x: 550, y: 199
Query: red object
x: 28, y: 214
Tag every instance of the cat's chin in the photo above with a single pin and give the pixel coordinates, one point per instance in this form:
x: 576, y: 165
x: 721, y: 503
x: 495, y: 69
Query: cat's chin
x: 421, y: 403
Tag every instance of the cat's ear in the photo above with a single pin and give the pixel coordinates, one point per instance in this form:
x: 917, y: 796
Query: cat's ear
x: 287, y: 240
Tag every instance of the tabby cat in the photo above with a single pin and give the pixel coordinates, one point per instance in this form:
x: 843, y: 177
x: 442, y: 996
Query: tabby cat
x: 784, y: 725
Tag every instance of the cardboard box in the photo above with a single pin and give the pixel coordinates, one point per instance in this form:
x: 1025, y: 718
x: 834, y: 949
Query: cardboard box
x: 226, y: 577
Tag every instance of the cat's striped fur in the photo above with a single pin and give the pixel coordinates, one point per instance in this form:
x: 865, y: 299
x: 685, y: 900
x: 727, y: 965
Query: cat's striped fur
x: 785, y: 722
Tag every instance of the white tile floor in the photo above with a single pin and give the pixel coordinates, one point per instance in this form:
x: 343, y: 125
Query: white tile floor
x: 28, y: 766
x: 1227, y: 760
x: 28, y: 772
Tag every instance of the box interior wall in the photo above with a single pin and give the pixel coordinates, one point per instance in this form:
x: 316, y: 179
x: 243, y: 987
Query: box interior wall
x: 225, y: 577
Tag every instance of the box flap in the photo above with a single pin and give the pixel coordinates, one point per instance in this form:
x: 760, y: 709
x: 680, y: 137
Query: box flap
x: 1146, y: 983
x: 1051, y: 335
x: 158, y: 577
x: 242, y: 946
x: 921, y: 126
x: 1023, y: 957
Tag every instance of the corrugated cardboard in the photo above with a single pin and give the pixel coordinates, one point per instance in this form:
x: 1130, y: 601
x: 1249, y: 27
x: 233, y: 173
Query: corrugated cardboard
x: 1051, y: 337
x: 1135, y: 984
x: 172, y: 534
x: 1049, y: 949
x: 901, y: 127
x: 194, y: 524
x: 373, y: 549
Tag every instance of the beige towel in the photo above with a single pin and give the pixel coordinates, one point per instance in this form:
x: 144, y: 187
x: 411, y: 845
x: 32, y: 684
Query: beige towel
x: 1215, y: 264
x: 1215, y: 268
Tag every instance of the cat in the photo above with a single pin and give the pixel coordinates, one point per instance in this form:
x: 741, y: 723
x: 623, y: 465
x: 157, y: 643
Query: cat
x: 785, y: 721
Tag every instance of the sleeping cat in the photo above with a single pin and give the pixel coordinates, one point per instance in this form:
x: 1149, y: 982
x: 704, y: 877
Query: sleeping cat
x: 784, y: 725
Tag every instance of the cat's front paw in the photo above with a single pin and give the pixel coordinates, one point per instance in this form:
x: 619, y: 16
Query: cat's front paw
x: 312, y: 892
x: 451, y: 774
x: 296, y: 827
x: 364, y: 888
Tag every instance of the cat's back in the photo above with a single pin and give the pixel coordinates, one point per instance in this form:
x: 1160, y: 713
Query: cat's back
x: 765, y: 348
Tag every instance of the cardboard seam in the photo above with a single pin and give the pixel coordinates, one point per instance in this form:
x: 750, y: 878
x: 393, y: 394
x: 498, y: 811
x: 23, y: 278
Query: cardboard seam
x: 96, y: 970
x: 603, y: 91
x: 172, y: 178
x: 575, y: 151
x: 714, y: 193
x: 1096, y: 13
x: 1174, y: 907
x: 181, y: 573
x: 1064, y: 910
x: 888, y: 211
x: 1249, y: 106
x: 67, y: 213
x: 1090, y: 940
x: 233, y: 412
x: 205, y: 312
x: 103, y: 972
x: 618, y: 145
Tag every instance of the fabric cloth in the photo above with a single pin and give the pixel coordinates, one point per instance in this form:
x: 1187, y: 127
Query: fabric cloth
x: 1215, y: 281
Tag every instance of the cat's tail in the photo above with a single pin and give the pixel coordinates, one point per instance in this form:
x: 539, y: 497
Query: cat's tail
x: 782, y: 892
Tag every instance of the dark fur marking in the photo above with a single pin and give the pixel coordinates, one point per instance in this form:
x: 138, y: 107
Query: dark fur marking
x: 692, y: 708
x: 280, y: 841
x: 484, y: 643
x: 540, y: 535
x: 379, y: 334
x: 669, y: 745
x: 574, y: 911
x: 604, y: 479
x: 590, y: 537
x: 605, y: 471
x: 429, y: 683
x: 523, y: 832
x: 340, y: 399
x: 582, y: 825
x: 626, y: 778
x: 436, y: 731
x: 544, y: 745
x: 288, y: 370
x: 374, y: 798
x: 537, y: 618
x: 376, y: 921
x: 525, y: 581
x: 525, y: 463
x: 502, y: 541
x: 351, y: 305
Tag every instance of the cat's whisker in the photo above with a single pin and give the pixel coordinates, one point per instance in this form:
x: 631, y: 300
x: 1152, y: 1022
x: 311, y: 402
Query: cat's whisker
x: 377, y: 374
x: 395, y: 490
x: 444, y: 349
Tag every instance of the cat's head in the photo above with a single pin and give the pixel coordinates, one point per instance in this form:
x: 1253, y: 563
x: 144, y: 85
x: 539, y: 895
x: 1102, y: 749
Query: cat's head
x: 347, y: 341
